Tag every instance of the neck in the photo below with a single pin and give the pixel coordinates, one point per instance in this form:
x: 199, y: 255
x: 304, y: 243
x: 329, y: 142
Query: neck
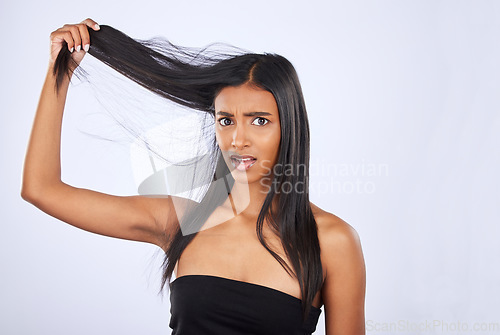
x: 248, y: 198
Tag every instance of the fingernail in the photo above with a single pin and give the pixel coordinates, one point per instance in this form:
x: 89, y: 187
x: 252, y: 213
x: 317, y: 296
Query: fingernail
x: 78, y: 47
x: 71, y: 50
x: 96, y: 27
x: 86, y: 47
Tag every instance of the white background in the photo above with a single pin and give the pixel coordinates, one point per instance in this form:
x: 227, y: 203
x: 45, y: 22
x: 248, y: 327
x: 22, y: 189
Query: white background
x: 408, y: 87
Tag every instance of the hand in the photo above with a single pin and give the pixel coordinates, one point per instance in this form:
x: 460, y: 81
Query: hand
x: 77, y: 38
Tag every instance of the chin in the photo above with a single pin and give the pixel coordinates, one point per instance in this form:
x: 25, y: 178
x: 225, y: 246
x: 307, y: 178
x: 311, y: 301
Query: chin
x: 250, y: 177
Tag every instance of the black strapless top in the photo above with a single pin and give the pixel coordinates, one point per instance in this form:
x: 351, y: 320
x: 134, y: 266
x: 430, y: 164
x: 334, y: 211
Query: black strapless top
x: 211, y: 305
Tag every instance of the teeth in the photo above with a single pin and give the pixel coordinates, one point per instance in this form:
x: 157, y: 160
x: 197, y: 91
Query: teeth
x: 243, y: 159
x: 240, y: 162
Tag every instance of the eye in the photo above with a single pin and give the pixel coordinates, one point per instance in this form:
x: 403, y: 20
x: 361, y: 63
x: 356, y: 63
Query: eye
x: 224, y: 121
x: 260, y: 121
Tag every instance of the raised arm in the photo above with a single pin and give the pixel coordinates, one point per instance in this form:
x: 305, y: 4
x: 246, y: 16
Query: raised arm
x: 137, y: 218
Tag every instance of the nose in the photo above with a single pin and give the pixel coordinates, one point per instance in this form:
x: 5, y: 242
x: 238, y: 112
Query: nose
x: 240, y: 137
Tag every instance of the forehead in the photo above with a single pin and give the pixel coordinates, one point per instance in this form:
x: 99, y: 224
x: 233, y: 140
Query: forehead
x: 245, y: 97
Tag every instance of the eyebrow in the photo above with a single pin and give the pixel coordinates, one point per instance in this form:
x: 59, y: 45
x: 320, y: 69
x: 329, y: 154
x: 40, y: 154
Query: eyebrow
x: 245, y: 114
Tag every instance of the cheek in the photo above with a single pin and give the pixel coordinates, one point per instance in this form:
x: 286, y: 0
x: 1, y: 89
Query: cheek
x: 220, y: 139
x: 272, y: 148
x: 276, y: 140
x: 277, y: 149
x: 224, y: 141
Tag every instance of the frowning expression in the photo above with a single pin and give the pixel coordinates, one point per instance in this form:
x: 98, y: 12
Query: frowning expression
x: 248, y: 130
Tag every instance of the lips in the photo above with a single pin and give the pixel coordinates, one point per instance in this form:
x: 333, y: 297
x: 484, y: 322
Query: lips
x: 242, y: 162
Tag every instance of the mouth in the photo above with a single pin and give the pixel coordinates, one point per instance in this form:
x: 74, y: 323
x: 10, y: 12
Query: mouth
x: 242, y: 163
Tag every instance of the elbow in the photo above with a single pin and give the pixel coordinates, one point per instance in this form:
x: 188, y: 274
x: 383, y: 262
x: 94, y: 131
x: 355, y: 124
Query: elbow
x: 33, y: 197
x: 29, y: 187
x: 38, y: 194
x: 27, y: 194
x: 31, y: 193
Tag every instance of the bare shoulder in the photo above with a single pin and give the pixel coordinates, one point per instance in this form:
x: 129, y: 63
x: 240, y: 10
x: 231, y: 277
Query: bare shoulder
x: 343, y: 290
x: 338, y: 239
x: 332, y: 229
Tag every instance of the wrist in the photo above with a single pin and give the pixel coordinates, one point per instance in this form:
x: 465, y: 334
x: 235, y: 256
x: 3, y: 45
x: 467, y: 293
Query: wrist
x: 52, y: 77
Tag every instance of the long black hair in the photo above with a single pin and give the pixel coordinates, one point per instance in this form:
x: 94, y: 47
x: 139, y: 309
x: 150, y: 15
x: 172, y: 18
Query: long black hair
x: 193, y: 78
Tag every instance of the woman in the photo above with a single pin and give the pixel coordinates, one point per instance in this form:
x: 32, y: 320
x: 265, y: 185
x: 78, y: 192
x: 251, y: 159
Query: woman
x: 257, y: 257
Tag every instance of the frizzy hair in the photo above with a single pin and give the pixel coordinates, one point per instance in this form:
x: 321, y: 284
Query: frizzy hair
x: 193, y: 78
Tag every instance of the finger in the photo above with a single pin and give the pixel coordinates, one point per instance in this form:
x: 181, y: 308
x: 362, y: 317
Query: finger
x: 61, y: 35
x: 91, y: 23
x: 75, y: 33
x: 85, y: 37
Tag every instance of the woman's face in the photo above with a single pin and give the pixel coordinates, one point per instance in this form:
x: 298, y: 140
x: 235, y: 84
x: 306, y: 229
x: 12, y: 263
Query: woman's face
x: 248, y: 131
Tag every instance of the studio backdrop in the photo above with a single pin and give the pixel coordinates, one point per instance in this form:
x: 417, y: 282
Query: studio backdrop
x: 403, y: 105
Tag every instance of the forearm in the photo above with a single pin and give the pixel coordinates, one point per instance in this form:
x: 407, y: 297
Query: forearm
x: 42, y: 165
